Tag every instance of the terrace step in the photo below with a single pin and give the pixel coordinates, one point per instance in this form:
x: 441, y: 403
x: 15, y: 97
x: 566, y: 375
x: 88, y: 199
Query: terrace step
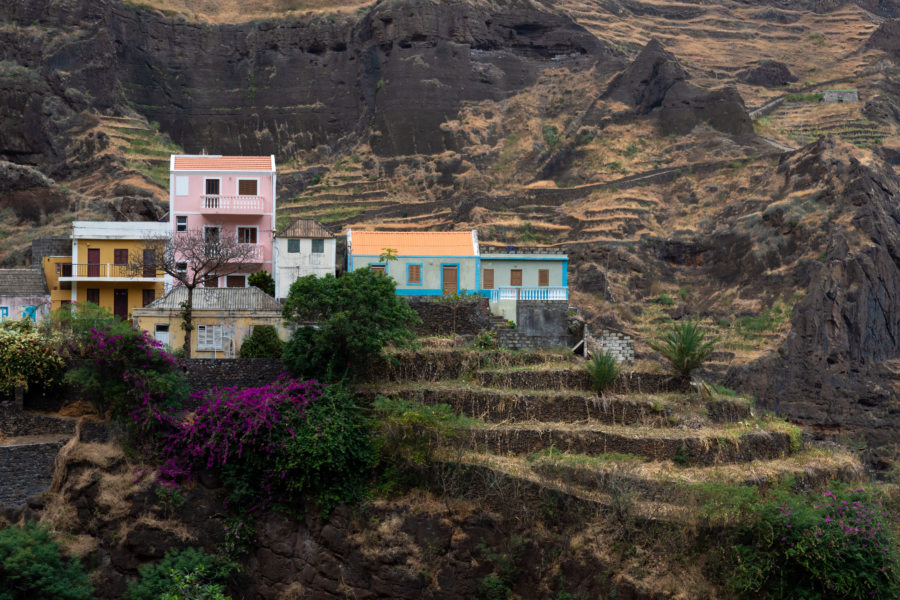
x: 559, y: 377
x: 697, y: 447
x: 505, y: 405
x: 440, y: 364
x: 660, y: 481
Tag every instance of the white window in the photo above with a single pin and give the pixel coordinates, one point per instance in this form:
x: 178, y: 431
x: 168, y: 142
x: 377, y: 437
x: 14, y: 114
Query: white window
x: 181, y: 185
x: 318, y: 246
x: 162, y: 334
x: 181, y: 224
x: 293, y: 246
x: 209, y: 337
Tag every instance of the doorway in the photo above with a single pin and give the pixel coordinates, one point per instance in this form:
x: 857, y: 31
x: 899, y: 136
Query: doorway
x: 449, y: 279
x: 120, y: 303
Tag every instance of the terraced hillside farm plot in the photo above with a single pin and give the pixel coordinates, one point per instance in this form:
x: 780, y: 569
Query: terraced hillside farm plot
x: 243, y: 11
x: 799, y: 123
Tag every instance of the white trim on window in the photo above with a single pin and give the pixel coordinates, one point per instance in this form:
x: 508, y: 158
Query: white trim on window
x: 236, y: 234
x: 205, y: 179
x: 237, y: 185
x: 209, y: 337
x: 180, y: 226
x: 246, y: 277
x: 217, y: 228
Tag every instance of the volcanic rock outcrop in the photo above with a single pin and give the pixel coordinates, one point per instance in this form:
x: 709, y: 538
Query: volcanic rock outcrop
x: 767, y: 73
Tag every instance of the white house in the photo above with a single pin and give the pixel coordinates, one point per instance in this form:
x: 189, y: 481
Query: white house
x: 304, y: 247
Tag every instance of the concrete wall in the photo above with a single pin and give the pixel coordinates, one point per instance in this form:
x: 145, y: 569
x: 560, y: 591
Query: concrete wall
x: 292, y: 266
x: 539, y: 325
x: 15, y: 306
x: 619, y: 344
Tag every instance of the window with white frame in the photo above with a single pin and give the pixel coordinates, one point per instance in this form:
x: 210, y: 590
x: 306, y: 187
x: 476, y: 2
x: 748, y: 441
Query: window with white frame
x: 181, y: 224
x: 293, y: 246
x: 246, y: 235
x: 209, y: 337
x: 181, y: 268
x: 318, y: 246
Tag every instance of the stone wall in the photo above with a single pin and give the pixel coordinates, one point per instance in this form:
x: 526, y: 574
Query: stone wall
x: 539, y: 324
x: 470, y: 316
x: 15, y: 422
x: 26, y: 470
x: 205, y: 373
x: 835, y: 96
x: 49, y: 246
x: 619, y: 344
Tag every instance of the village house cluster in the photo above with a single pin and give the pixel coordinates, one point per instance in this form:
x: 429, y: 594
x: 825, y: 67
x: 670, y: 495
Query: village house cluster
x: 228, y: 203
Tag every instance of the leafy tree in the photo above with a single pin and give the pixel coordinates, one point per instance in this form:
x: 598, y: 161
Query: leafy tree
x: 344, y: 323
x: 264, y: 281
x: 684, y: 347
x: 180, y: 571
x: 32, y: 566
x: 262, y: 343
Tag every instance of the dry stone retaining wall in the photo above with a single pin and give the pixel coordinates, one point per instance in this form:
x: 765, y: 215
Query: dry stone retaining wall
x: 620, y: 345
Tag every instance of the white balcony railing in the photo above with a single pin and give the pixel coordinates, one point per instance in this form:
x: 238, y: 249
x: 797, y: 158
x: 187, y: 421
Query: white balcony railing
x: 232, y: 204
x: 544, y: 293
x: 251, y: 252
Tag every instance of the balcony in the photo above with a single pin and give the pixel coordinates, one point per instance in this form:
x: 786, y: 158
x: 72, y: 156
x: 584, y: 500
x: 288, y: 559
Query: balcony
x: 251, y: 252
x: 104, y: 272
x: 542, y: 293
x: 232, y: 205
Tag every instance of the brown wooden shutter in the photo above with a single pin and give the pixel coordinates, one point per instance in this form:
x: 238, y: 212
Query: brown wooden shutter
x: 246, y: 187
x: 515, y: 277
x: 544, y: 277
x: 415, y: 274
x: 377, y: 269
x: 236, y: 281
x: 488, y: 279
x: 120, y: 256
x: 211, y: 281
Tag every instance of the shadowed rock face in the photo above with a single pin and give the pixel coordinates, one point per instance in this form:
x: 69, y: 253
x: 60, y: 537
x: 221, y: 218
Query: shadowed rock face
x: 655, y: 81
x: 887, y: 38
x: 768, y: 73
x: 835, y: 370
x: 394, y: 74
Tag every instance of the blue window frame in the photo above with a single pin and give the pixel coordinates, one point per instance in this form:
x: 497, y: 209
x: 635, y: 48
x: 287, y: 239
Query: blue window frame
x: 4, y: 312
x: 414, y: 274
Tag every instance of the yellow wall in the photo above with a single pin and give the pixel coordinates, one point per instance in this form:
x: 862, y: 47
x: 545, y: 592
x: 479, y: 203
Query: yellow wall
x: 60, y: 291
x: 237, y: 324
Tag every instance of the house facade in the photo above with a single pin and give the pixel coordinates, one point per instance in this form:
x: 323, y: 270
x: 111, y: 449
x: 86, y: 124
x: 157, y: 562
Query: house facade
x: 222, y: 318
x: 304, y: 247
x: 101, y: 267
x: 23, y: 294
x: 229, y: 197
x: 448, y: 263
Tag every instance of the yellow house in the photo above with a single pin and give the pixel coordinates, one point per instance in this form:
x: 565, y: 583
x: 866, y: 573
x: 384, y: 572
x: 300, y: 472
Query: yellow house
x: 101, y: 267
x: 222, y: 318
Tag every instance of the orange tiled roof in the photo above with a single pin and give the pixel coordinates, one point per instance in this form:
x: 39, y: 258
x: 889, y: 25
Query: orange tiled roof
x: 425, y: 243
x: 223, y: 163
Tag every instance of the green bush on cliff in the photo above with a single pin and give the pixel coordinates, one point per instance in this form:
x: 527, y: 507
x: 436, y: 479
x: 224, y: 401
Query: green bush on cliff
x: 685, y: 347
x: 32, y: 566
x: 179, y: 569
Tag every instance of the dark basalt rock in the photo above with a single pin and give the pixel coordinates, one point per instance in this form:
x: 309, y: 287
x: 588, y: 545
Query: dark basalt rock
x: 395, y: 73
x: 656, y: 82
x: 767, y: 73
x: 886, y: 38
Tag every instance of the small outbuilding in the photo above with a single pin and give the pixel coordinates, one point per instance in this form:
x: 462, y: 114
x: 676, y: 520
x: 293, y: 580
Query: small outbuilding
x: 23, y: 294
x: 222, y: 318
x: 838, y: 96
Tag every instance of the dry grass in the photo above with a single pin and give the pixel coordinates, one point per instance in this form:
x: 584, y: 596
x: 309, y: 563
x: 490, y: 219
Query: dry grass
x: 242, y: 11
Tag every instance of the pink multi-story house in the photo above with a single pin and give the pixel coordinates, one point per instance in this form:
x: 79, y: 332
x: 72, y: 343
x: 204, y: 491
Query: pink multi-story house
x: 226, y: 196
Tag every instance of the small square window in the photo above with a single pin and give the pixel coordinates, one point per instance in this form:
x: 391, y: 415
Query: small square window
x: 181, y: 224
x: 318, y: 246
x: 181, y: 268
x: 293, y: 246
x: 246, y: 235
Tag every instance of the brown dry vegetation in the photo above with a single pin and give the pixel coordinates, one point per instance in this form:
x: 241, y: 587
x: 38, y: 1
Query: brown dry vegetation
x: 242, y: 11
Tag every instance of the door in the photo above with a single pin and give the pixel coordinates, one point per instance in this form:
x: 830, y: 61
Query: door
x: 162, y: 334
x: 120, y: 303
x: 93, y: 262
x: 450, y: 280
x: 515, y: 277
x: 544, y: 277
x: 149, y: 263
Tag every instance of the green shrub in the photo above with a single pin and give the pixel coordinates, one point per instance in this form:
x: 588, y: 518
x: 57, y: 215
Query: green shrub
x: 550, y: 134
x: 604, y: 369
x: 486, y: 340
x: 684, y: 347
x: 189, y: 565
x: 663, y: 300
x: 356, y: 316
x: 839, y: 544
x: 190, y: 586
x: 28, y: 357
x: 262, y: 343
x: 264, y: 281
x: 32, y: 566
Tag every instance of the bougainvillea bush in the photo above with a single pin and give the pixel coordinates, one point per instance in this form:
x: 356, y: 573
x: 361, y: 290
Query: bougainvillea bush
x: 119, y: 367
x: 27, y: 357
x: 283, y: 443
x: 836, y: 544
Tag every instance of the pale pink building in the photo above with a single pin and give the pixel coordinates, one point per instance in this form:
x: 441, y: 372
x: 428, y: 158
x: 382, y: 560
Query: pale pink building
x: 226, y: 196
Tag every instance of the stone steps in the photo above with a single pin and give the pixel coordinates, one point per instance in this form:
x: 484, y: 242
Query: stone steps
x: 505, y: 405
x: 683, y: 446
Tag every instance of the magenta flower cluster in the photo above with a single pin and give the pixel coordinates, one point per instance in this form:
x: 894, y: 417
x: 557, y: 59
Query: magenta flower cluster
x: 239, y: 432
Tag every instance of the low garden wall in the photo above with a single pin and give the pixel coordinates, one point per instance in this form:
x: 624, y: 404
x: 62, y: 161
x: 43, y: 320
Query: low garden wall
x: 205, y: 373
x: 461, y: 317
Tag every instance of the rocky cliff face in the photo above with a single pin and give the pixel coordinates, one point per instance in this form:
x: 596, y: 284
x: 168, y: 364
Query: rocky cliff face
x: 836, y: 370
x: 392, y: 75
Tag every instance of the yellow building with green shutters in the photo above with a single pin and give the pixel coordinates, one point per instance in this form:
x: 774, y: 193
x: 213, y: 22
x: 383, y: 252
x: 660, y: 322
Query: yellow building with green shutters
x: 101, y: 268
